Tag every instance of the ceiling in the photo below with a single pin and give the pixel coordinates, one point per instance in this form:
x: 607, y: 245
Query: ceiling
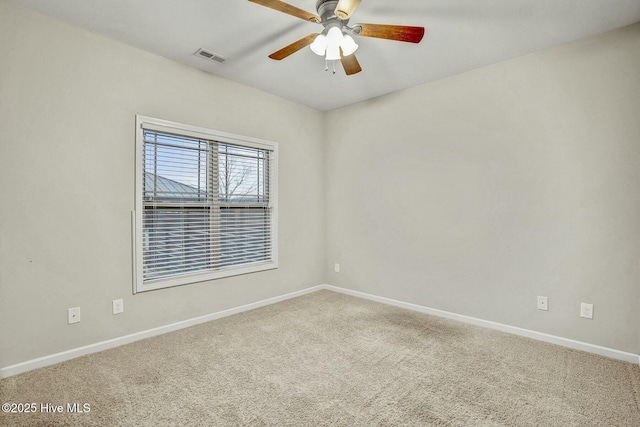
x: 461, y: 35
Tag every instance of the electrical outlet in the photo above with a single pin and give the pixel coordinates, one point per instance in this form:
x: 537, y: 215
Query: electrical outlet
x: 543, y: 303
x: 73, y: 315
x: 118, y: 306
x: 336, y: 268
x: 586, y: 310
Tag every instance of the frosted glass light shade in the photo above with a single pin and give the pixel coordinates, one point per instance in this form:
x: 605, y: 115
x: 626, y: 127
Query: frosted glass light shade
x: 348, y: 45
x: 334, y: 36
x: 319, y: 45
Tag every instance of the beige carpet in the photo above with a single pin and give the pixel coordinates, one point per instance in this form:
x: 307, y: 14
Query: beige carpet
x: 328, y: 359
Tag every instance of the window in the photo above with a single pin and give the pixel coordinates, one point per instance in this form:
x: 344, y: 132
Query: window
x: 206, y: 204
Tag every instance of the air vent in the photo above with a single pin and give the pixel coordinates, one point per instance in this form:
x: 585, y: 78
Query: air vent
x: 210, y: 56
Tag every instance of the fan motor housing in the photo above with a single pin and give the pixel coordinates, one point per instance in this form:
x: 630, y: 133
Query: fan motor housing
x: 326, y: 10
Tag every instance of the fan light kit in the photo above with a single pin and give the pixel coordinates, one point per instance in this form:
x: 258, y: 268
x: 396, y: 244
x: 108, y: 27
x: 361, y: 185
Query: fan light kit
x: 335, y: 42
x: 332, y: 43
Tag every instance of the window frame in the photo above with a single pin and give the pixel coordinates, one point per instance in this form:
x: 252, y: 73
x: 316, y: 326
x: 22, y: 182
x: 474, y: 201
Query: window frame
x: 160, y: 125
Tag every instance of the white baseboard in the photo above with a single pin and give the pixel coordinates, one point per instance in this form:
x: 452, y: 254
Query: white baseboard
x: 116, y: 342
x: 564, y: 342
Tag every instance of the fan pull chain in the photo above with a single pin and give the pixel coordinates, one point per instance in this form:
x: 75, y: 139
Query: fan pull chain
x: 326, y: 65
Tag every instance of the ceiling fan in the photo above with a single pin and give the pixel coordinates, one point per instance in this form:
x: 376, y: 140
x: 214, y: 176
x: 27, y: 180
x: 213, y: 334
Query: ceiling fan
x: 335, y: 41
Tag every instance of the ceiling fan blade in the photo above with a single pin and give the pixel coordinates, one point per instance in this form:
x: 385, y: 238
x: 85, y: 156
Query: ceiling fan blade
x: 281, y: 6
x: 345, y: 8
x: 294, y: 47
x: 400, y: 33
x: 350, y: 64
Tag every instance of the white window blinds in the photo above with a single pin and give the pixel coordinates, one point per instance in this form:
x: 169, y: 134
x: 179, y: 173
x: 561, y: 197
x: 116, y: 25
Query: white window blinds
x: 207, y: 205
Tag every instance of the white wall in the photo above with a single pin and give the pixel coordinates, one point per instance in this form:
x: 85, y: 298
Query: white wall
x: 476, y: 193
x: 68, y: 100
